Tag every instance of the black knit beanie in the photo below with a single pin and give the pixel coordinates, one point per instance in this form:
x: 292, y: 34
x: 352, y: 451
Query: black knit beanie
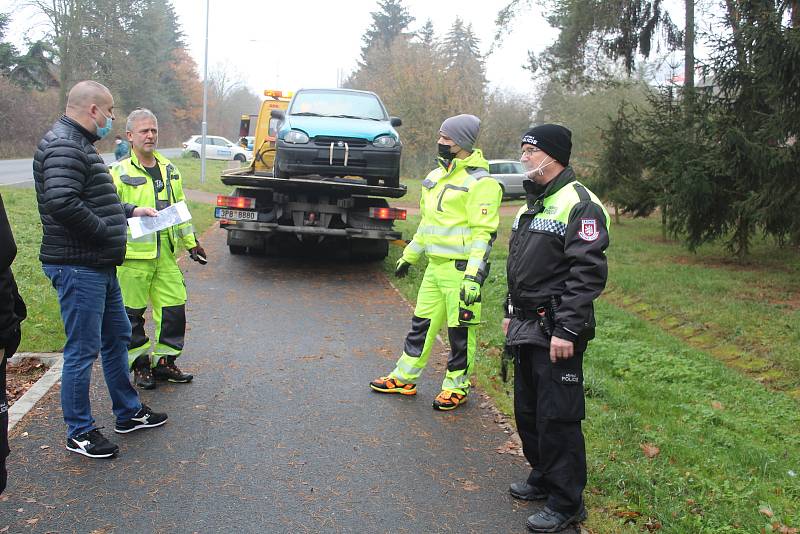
x: 553, y: 139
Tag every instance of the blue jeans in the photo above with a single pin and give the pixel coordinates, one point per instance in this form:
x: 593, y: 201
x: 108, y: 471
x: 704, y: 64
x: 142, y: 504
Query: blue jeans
x: 94, y: 322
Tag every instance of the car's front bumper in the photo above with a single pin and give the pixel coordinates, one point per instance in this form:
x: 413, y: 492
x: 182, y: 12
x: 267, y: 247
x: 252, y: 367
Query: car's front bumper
x: 338, y: 159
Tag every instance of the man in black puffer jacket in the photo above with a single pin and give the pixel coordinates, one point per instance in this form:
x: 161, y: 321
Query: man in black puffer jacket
x: 84, y: 227
x: 12, y: 313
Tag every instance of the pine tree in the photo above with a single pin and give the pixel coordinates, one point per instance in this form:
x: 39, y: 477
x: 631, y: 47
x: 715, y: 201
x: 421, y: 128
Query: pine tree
x: 389, y: 23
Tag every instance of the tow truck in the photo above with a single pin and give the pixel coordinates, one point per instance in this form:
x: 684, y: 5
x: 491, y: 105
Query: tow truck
x: 264, y: 213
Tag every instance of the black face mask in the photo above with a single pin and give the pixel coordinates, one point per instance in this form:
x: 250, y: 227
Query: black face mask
x: 444, y: 152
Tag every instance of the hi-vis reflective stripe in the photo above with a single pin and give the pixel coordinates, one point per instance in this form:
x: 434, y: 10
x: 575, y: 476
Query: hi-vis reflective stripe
x: 415, y: 247
x: 480, y: 265
x: 445, y: 230
x: 405, y: 370
x: 455, y: 382
x: 483, y: 245
x: 447, y: 250
x: 147, y: 238
x: 186, y: 230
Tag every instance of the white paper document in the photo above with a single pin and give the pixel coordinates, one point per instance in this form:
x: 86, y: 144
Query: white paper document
x: 175, y: 214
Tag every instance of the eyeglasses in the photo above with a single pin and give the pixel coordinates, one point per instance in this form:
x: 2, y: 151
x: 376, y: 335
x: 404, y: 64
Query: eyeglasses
x: 531, y: 151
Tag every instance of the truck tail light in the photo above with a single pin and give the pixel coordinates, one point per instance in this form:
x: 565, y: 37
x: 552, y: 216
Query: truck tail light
x: 244, y: 203
x: 388, y: 213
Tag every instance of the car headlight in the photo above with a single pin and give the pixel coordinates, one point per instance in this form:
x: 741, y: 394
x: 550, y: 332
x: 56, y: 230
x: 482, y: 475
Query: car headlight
x: 296, y: 137
x: 385, y: 141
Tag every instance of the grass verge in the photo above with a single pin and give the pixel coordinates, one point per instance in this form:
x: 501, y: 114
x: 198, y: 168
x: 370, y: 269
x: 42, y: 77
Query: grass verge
x: 42, y: 330
x: 676, y: 440
x: 190, y: 174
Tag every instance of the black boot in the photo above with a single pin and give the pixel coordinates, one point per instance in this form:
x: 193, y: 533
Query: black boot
x: 548, y: 520
x: 166, y: 369
x: 142, y: 373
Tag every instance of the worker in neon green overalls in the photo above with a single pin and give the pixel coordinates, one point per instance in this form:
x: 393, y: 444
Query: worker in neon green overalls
x: 150, y: 271
x: 459, y: 209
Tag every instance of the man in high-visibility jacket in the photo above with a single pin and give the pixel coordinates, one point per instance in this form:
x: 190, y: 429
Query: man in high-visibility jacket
x: 459, y: 209
x: 150, y: 271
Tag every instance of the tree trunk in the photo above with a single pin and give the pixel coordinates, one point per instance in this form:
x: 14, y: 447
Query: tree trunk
x: 688, y: 61
x: 616, y: 214
x: 795, y: 13
x: 663, y: 223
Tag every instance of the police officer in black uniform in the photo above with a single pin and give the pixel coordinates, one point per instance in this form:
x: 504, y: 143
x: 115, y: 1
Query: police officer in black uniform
x: 556, y: 268
x: 12, y: 313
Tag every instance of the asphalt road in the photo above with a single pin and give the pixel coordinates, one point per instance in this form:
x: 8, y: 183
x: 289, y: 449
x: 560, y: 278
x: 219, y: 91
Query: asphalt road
x: 279, y: 432
x: 19, y: 172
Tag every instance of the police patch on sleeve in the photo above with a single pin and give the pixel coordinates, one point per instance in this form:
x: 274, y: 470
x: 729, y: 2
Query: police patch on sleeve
x: 588, y: 231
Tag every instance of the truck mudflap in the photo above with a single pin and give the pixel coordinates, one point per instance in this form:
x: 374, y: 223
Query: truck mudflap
x: 354, y: 233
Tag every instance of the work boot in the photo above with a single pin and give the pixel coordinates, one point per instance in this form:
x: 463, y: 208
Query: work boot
x: 143, y: 373
x: 387, y: 384
x: 166, y: 369
x: 548, y: 520
x: 448, y: 400
x: 527, y: 492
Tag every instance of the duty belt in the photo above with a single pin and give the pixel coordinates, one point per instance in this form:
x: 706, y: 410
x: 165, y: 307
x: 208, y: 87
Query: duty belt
x: 534, y: 312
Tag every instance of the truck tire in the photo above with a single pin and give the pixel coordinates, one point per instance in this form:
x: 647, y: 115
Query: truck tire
x: 237, y: 250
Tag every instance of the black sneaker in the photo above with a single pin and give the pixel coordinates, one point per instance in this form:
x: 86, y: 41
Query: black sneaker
x: 92, y: 444
x: 527, y: 492
x: 548, y: 520
x: 167, y: 370
x: 144, y: 418
x: 142, y: 373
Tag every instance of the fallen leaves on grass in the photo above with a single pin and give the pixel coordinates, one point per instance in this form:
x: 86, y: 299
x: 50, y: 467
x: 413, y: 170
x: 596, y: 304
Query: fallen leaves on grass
x: 766, y: 510
x: 717, y: 405
x: 650, y: 450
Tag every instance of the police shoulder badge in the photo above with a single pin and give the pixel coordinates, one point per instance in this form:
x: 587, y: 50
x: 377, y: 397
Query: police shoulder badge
x: 588, y: 231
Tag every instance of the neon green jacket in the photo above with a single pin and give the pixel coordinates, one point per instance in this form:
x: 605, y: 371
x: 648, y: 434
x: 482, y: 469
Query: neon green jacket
x: 459, y: 209
x: 135, y: 186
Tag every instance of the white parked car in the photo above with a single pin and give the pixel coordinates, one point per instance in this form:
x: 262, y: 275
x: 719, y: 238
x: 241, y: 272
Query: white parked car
x: 216, y: 148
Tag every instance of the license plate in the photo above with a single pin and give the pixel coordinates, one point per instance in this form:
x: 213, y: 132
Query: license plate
x: 235, y: 215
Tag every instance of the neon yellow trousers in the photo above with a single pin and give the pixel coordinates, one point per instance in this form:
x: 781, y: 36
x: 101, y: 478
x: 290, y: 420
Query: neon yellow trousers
x: 438, y: 301
x: 160, y: 282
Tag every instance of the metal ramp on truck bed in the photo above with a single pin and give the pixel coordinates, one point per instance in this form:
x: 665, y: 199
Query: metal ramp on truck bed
x: 310, y: 184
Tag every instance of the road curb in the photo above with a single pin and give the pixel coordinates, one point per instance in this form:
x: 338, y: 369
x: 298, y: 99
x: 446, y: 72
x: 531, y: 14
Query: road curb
x: 25, y: 404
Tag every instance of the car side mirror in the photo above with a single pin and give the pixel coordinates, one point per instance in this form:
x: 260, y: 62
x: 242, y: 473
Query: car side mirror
x: 278, y: 114
x: 395, y: 121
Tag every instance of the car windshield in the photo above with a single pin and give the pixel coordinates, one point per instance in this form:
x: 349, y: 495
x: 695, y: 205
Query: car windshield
x: 341, y: 104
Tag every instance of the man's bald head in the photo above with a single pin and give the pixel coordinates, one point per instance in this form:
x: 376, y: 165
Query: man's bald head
x: 86, y: 93
x: 90, y: 103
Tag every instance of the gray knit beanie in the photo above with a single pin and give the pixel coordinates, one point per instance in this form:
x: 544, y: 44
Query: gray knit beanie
x: 462, y: 129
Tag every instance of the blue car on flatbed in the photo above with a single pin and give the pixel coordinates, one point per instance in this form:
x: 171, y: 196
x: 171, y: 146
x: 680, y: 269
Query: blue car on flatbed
x: 338, y: 132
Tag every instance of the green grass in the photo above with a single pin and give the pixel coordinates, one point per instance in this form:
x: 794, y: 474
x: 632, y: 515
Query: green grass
x: 190, y: 174
x: 745, y: 312
x: 727, y: 444
x: 43, y: 331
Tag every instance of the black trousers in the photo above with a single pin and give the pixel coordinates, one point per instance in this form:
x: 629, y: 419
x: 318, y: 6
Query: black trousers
x: 9, y: 348
x: 549, y: 407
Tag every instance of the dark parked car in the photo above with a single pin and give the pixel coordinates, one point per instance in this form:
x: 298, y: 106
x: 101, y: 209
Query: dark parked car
x: 509, y: 174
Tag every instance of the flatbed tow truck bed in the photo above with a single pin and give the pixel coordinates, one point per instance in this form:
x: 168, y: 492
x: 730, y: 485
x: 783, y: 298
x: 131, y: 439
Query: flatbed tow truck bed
x: 310, y: 184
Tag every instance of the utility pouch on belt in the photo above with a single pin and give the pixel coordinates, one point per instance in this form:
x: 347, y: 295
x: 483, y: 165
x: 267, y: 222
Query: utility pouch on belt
x: 162, y: 204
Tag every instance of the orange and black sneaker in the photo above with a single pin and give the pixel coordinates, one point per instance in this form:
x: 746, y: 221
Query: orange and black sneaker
x: 448, y: 400
x: 387, y: 384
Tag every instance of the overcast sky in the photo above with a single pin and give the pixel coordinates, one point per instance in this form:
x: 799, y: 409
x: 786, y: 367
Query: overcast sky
x: 288, y: 45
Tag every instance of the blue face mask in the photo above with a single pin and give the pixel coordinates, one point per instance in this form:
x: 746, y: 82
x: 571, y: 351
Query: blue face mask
x: 105, y: 130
